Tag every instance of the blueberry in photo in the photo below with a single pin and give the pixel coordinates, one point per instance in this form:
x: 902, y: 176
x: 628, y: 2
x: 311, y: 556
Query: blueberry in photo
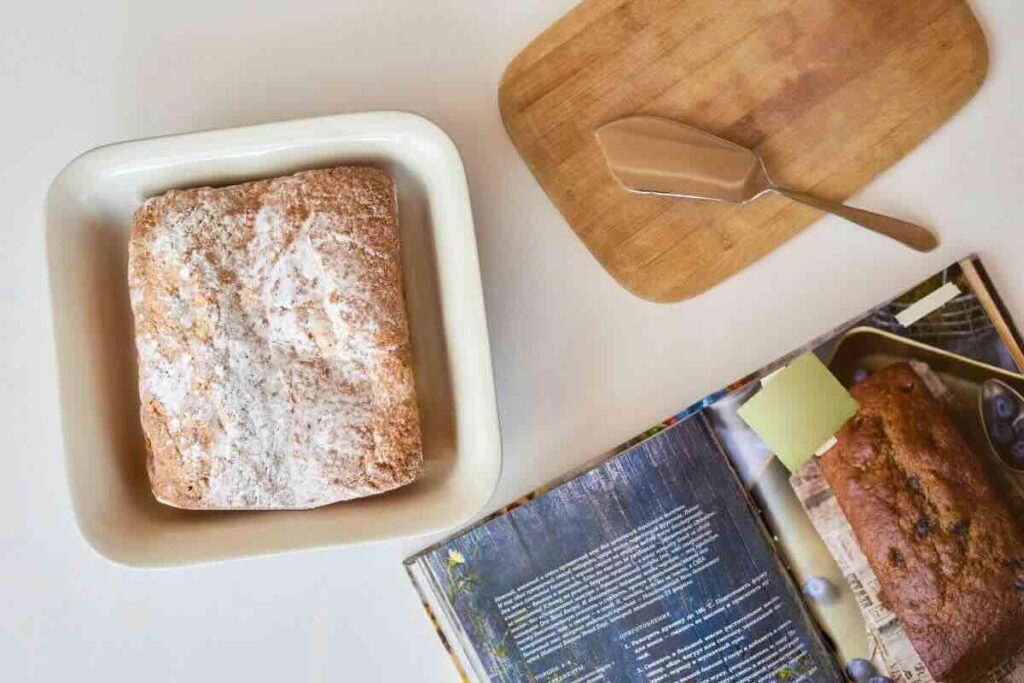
x: 1003, y: 406
x: 859, y: 375
x: 924, y: 525
x: 1002, y: 432
x: 820, y: 589
x: 1018, y: 426
x: 861, y: 670
x: 1017, y: 452
x: 879, y: 679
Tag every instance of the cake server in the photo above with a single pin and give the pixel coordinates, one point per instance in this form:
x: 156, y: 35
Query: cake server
x: 654, y: 155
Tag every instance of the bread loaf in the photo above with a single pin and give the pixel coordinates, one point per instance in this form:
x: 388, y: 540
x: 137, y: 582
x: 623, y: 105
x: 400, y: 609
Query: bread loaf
x: 273, y: 344
x: 944, y: 544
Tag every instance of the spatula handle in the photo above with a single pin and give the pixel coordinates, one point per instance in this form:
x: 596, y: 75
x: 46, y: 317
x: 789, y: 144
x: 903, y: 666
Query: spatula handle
x: 914, y: 236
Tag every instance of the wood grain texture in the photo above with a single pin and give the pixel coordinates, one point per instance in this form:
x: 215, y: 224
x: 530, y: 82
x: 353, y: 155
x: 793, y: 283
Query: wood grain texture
x: 830, y: 92
x: 538, y: 549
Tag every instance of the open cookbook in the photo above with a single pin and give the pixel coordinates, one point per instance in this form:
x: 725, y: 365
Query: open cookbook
x: 850, y: 511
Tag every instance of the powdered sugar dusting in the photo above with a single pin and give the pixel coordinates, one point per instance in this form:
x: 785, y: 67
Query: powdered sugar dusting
x: 259, y: 344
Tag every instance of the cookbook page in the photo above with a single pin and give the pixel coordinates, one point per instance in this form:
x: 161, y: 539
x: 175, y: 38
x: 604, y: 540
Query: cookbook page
x: 953, y: 331
x: 649, y: 567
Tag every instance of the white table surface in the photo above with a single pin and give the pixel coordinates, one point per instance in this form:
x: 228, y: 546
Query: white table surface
x: 580, y: 364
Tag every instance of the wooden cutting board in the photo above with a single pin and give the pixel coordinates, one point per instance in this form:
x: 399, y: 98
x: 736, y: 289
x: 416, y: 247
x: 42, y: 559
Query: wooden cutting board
x: 830, y: 92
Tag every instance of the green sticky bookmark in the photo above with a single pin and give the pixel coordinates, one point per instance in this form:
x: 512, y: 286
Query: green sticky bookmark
x: 797, y: 412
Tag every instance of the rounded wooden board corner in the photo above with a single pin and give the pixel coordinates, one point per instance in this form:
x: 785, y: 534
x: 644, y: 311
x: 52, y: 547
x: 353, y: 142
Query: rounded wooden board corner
x: 832, y: 93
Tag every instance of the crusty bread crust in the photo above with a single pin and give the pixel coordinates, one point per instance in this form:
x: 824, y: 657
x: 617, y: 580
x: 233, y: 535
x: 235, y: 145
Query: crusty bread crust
x: 273, y: 344
x: 946, y: 548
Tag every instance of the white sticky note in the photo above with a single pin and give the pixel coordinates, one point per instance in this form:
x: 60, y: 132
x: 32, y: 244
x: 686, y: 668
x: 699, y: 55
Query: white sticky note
x: 827, y: 446
x: 919, y: 309
x: 771, y: 375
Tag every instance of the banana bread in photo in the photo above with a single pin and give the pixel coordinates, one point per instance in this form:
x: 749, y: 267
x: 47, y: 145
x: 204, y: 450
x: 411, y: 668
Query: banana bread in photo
x: 945, y: 546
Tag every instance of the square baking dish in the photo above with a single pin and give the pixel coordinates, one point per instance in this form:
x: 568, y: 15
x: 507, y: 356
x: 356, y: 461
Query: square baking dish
x: 88, y: 214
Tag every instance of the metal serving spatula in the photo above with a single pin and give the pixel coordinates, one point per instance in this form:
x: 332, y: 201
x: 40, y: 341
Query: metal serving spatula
x: 654, y: 155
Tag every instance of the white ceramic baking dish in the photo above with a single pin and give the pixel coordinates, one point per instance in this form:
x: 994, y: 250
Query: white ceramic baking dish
x: 88, y: 211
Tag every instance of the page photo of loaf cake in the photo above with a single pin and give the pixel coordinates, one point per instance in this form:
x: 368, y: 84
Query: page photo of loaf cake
x: 946, y: 547
x: 934, y: 512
